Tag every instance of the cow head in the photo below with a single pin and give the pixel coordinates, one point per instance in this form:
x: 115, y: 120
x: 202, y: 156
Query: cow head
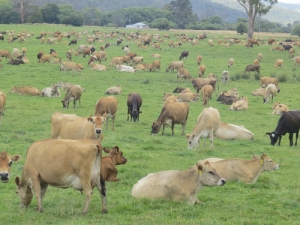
x: 274, y: 137
x: 97, y: 122
x: 208, y: 175
x: 65, y: 103
x: 155, y: 127
x: 135, y: 115
x: 116, y: 155
x: 193, y: 142
x: 267, y: 163
x: 5, y: 164
x: 24, y: 192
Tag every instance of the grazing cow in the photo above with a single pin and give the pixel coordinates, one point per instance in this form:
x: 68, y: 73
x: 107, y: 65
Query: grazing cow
x: 226, y: 99
x: 25, y: 90
x: 278, y: 63
x: 289, y: 122
x: 71, y: 66
x: 61, y: 163
x: 184, y: 54
x: 113, y: 90
x: 227, y: 131
x: 253, y: 68
x: 242, y: 170
x: 199, y: 59
x: 279, y: 109
x: 201, y: 70
x: 178, y: 185
x: 74, y: 93
x: 207, y: 124
x: 296, y: 60
x: 198, y: 83
x: 207, y: 92
x: 2, y: 104
x: 6, y: 161
x: 230, y: 62
x: 134, y: 103
x: 171, y: 113
x: 225, y: 76
x: 286, y: 47
x: 107, y: 106
x: 70, y: 126
x: 183, y: 73
x: 271, y: 91
x: 73, y: 42
x: 109, y: 170
x: 174, y: 65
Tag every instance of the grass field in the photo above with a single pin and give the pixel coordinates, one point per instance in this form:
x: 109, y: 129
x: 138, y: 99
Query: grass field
x: 273, y: 199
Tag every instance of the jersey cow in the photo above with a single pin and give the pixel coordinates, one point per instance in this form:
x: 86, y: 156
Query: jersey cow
x: 6, y: 161
x: 228, y: 131
x: 74, y: 93
x: 289, y: 122
x: 207, y: 124
x: 107, y: 106
x: 134, y: 103
x: 172, y: 113
x: 2, y: 104
x: 70, y: 126
x: 61, y: 163
x: 242, y: 170
x: 178, y: 185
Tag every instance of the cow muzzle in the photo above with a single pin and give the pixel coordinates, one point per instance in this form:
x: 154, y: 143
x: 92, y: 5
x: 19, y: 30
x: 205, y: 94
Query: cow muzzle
x: 4, y: 177
x: 98, y: 131
x: 221, y: 182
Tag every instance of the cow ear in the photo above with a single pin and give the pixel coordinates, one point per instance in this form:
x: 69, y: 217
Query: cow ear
x: 255, y: 157
x: 117, y: 149
x: 90, y: 119
x: 16, y: 158
x: 262, y: 159
x: 268, y: 133
x: 200, y: 168
x: 106, y: 149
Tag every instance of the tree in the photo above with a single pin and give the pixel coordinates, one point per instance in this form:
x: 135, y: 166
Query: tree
x: 7, y: 13
x: 182, y: 12
x: 21, y: 6
x: 34, y: 14
x: 296, y: 30
x: 50, y: 12
x: 161, y: 24
x: 255, y: 9
x: 241, y: 28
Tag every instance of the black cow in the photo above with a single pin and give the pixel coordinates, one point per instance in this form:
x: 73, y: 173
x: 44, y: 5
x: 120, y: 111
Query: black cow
x: 134, y: 103
x: 289, y: 122
x: 2, y: 38
x: 184, y: 54
x: 73, y: 42
x: 52, y: 50
x: 250, y: 68
x: 15, y: 62
x: 178, y: 90
x: 227, y: 99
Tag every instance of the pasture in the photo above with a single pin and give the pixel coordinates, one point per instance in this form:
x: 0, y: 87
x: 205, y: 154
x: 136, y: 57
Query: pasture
x: 273, y: 199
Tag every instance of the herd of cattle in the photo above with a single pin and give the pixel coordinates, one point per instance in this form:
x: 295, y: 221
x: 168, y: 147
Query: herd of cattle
x: 73, y: 155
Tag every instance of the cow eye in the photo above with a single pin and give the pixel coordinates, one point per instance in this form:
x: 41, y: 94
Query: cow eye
x: 271, y: 161
x: 211, y: 172
x: 10, y: 163
x: 190, y: 142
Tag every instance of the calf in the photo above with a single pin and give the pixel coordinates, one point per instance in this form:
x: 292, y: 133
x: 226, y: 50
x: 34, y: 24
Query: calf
x: 6, y: 161
x: 289, y: 122
x: 242, y: 170
x: 134, y: 103
x: 227, y: 99
x: 253, y: 68
x: 109, y: 170
x: 74, y: 93
x: 177, y: 185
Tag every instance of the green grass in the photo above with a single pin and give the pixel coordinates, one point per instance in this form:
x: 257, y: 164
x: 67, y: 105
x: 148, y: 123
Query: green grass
x: 273, y: 199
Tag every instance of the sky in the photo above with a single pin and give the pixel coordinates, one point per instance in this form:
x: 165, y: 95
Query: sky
x: 290, y: 1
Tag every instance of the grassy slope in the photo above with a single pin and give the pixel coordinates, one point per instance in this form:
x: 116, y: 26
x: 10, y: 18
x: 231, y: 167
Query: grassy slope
x: 273, y: 199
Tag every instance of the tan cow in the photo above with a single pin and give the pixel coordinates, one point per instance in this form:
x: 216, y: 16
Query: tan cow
x: 71, y: 66
x: 109, y: 170
x: 61, y: 163
x: 242, y: 104
x: 25, y: 90
x: 198, y: 83
x: 107, y: 106
x: 114, y: 90
x: 73, y: 94
x: 227, y: 131
x: 259, y: 92
x: 71, y: 126
x: 279, y: 109
x: 6, y: 161
x: 206, y: 92
x: 2, y: 104
x: 207, y: 124
x: 183, y: 73
x: 66, y: 85
x: 278, y: 63
x: 188, y: 97
x: 171, y: 113
x: 242, y: 170
x: 271, y: 91
x: 264, y: 81
x: 178, y: 185
x: 170, y: 98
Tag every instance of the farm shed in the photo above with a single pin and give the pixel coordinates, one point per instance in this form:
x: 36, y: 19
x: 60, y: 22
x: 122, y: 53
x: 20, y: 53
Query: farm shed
x: 138, y: 25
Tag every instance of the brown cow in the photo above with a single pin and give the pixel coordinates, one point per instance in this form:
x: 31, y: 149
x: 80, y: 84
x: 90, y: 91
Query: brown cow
x: 109, y: 170
x: 71, y: 126
x: 6, y: 161
x: 2, y: 104
x: 134, y: 103
x: 62, y: 163
x: 207, y: 92
x: 198, y: 83
x: 74, y: 93
x: 107, y: 105
x: 178, y: 185
x: 172, y: 113
x: 25, y: 90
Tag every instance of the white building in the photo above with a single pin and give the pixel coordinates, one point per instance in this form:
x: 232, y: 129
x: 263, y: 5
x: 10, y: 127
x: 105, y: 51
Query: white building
x: 138, y: 25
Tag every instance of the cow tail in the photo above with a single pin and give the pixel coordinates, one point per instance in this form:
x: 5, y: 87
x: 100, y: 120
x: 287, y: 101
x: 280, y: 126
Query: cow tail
x: 103, y: 188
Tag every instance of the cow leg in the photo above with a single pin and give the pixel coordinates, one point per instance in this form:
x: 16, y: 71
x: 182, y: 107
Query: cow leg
x: 88, y: 192
x: 37, y: 189
x: 211, y: 138
x: 163, y: 131
x: 297, y: 133
x: 172, y: 127
x: 74, y: 103
x: 113, y: 122
x: 291, y: 138
x: 183, y: 128
x: 43, y: 189
x: 102, y: 190
x: 279, y: 140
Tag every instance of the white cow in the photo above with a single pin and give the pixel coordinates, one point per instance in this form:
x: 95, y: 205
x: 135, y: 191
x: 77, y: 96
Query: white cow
x: 123, y: 68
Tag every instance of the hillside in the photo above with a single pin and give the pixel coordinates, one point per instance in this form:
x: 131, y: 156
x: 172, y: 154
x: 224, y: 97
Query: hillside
x: 228, y: 10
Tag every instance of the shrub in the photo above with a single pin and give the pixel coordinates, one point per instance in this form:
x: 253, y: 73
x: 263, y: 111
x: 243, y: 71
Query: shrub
x: 282, y: 78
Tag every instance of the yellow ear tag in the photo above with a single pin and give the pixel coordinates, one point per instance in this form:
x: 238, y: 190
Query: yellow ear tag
x: 261, y: 161
x: 200, y: 172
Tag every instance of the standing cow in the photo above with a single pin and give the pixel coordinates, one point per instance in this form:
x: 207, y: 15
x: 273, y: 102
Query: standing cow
x: 172, y: 113
x: 289, y: 122
x: 134, y: 103
x: 74, y: 93
x: 107, y: 105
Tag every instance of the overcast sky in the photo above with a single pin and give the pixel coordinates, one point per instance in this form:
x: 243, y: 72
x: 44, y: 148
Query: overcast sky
x: 290, y: 1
